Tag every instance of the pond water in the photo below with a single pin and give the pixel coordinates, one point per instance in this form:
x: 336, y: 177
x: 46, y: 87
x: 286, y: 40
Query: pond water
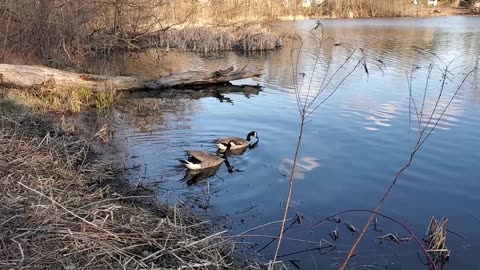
x: 351, y: 149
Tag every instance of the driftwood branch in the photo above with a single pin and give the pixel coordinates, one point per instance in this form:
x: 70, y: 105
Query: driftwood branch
x: 28, y: 76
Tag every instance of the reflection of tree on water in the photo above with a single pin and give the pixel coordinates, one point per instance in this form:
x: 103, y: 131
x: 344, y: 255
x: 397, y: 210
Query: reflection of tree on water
x: 150, y: 110
x: 150, y: 114
x: 198, y: 92
x: 223, y: 98
x: 476, y: 78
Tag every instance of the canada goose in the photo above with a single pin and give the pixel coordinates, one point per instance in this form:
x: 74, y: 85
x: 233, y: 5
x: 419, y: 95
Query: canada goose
x: 238, y: 151
x: 238, y: 143
x: 198, y: 160
x: 194, y: 176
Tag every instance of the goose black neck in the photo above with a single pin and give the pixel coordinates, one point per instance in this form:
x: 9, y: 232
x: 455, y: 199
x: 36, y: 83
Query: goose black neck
x: 224, y: 155
x: 248, y: 136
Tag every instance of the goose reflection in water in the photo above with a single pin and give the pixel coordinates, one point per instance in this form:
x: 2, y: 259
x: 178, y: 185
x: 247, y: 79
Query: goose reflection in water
x: 195, y: 176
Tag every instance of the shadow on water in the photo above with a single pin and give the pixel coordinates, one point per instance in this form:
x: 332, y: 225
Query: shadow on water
x: 148, y: 110
x: 217, y: 91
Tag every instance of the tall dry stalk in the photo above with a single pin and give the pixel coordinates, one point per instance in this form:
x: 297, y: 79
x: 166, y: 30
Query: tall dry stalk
x: 310, y: 93
x: 426, y: 122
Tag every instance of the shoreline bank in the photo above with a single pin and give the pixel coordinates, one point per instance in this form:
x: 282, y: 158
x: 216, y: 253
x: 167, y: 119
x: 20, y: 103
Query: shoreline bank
x: 60, y: 207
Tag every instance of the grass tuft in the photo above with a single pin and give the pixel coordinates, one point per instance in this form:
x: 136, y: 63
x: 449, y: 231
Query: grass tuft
x: 105, y: 99
x: 71, y: 100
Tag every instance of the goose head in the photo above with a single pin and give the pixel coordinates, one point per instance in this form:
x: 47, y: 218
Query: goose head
x: 252, y: 134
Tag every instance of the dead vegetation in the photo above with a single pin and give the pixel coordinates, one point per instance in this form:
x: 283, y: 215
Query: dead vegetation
x: 61, y: 100
x: 66, y: 34
x: 436, y: 240
x: 57, y: 210
x: 63, y: 33
x: 209, y: 39
x: 368, y: 8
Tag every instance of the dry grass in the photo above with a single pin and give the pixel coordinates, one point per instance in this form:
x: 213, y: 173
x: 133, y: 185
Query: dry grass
x: 369, y: 8
x: 54, y: 214
x: 64, y: 33
x: 208, y: 39
x: 54, y: 99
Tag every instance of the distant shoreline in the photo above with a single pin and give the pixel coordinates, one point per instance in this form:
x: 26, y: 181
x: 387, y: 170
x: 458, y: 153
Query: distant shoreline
x: 442, y: 12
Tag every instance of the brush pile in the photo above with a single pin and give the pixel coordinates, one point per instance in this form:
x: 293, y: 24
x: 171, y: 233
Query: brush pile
x: 55, y: 215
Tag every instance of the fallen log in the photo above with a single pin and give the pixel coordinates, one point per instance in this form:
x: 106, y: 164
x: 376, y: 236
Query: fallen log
x: 30, y: 76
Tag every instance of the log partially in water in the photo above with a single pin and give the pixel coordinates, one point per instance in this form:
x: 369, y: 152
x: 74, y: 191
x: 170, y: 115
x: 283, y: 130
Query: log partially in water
x: 28, y: 76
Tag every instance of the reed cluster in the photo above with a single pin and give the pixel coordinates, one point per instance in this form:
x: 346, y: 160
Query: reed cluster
x: 208, y: 39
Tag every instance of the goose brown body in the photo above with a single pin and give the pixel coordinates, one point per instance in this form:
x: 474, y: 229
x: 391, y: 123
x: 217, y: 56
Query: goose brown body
x: 206, y: 160
x: 198, y: 160
x: 238, y: 143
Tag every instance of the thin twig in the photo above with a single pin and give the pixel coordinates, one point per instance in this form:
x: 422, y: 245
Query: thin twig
x: 304, y: 113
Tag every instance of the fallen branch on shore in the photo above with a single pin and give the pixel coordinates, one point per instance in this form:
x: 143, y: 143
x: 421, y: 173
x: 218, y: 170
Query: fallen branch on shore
x: 31, y: 76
